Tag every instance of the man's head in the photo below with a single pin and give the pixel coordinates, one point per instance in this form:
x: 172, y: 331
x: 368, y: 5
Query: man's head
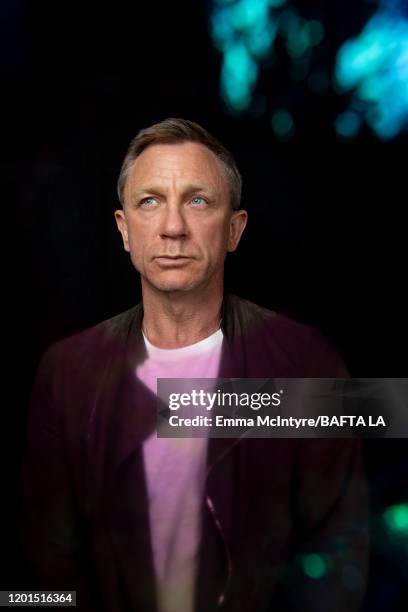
x: 176, y: 131
x: 180, y: 192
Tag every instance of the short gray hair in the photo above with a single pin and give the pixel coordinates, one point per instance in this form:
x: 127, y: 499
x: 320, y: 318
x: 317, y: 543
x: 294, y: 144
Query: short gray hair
x: 173, y: 131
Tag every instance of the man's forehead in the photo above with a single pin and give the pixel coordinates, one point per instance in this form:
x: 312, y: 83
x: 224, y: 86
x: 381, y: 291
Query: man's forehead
x: 190, y: 160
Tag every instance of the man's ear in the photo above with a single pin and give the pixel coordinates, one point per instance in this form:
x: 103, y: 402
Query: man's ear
x: 238, y: 222
x: 121, y: 222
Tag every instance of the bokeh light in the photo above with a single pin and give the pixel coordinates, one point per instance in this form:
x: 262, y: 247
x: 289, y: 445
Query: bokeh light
x: 314, y: 565
x: 245, y: 31
x: 374, y: 67
x: 283, y: 125
x: 370, y: 71
x: 396, y: 519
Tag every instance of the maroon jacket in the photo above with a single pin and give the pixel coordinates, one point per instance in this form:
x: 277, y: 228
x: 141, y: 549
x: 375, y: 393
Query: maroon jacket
x: 268, y: 502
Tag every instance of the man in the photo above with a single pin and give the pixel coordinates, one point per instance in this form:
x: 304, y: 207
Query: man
x: 137, y: 523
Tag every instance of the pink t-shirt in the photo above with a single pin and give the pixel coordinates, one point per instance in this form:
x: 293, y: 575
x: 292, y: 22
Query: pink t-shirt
x: 175, y: 472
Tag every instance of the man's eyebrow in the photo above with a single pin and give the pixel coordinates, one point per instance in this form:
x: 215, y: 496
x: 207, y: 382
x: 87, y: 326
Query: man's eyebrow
x: 188, y: 190
x: 135, y: 194
x: 194, y: 188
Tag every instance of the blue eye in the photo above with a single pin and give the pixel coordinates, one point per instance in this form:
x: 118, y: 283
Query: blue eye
x: 148, y: 202
x: 197, y: 200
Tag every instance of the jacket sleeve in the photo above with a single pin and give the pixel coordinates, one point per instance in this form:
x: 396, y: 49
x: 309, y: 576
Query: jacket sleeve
x: 328, y: 568
x: 53, y: 532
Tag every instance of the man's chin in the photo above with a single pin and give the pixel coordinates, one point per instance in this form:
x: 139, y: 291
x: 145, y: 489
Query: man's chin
x: 174, y: 285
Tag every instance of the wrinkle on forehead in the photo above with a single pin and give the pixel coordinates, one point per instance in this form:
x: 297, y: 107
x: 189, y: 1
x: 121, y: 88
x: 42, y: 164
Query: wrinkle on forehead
x: 172, y: 166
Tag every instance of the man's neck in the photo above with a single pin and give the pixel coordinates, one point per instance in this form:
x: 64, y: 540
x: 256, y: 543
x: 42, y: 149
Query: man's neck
x: 173, y: 320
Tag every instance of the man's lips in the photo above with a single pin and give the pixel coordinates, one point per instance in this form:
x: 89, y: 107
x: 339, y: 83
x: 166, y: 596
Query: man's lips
x: 172, y: 260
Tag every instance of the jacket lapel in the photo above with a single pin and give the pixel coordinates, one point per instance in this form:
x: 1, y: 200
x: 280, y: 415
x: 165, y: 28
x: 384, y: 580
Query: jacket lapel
x: 132, y: 418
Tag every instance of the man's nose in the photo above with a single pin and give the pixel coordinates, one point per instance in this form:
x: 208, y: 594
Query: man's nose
x: 173, y: 223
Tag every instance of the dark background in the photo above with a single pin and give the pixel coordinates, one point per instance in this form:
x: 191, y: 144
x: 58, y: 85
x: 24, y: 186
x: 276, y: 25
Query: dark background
x: 326, y: 237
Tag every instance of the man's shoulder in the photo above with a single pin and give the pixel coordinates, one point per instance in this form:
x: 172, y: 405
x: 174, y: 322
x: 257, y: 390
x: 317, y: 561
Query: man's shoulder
x: 254, y: 316
x: 106, y: 337
x: 285, y: 339
x: 248, y: 309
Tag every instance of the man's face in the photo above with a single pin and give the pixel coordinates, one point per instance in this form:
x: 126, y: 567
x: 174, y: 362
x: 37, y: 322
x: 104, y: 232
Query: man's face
x: 177, y: 223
